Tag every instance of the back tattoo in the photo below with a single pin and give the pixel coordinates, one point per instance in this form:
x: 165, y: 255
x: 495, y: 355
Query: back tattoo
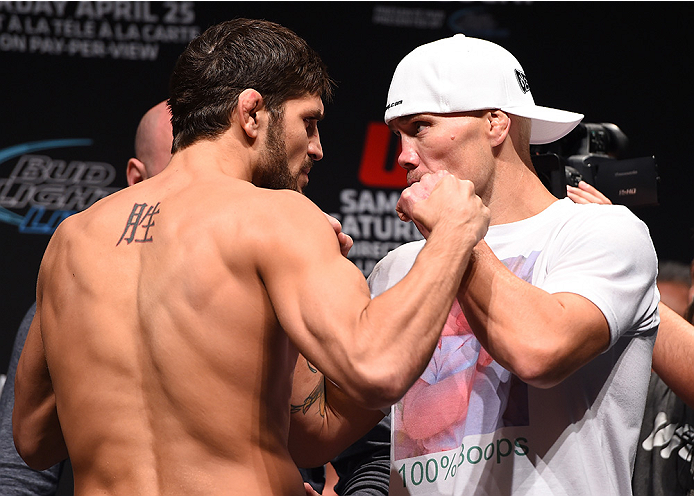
x: 141, y: 217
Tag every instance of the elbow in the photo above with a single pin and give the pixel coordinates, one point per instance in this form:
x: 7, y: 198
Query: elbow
x: 29, y: 451
x: 541, y: 368
x: 38, y: 453
x: 374, y: 387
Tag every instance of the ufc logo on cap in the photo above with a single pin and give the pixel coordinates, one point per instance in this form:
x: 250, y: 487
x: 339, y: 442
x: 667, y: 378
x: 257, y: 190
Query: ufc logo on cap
x: 522, y: 81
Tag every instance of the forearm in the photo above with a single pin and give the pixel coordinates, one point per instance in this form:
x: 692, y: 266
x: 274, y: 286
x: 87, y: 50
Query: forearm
x: 540, y: 337
x: 324, y: 421
x: 673, y: 354
x: 401, y: 326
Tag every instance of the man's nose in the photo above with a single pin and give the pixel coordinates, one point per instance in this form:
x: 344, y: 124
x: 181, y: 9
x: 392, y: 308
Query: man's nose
x: 315, y: 149
x: 407, y: 158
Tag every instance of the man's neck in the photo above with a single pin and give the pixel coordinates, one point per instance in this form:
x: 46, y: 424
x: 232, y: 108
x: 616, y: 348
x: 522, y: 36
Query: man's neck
x: 213, y: 157
x: 518, y: 196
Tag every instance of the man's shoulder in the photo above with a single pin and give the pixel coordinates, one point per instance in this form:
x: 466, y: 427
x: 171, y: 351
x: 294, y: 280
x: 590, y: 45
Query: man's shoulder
x: 596, y: 218
x: 595, y: 210
x: 281, y: 209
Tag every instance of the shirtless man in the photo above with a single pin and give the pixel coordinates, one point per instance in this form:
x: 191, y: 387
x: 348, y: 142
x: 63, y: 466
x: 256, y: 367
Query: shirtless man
x: 170, y: 314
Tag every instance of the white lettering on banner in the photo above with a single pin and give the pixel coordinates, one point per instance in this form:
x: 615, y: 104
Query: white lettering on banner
x: 13, y: 42
x: 53, y: 189
x: 118, y: 11
x: 34, y: 8
x: 408, y: 17
x: 369, y: 217
x: 373, y: 202
x: 117, y: 30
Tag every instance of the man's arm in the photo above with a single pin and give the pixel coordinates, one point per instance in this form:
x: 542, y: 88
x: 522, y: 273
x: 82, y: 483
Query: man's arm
x: 673, y: 354
x: 35, y: 425
x: 325, y: 421
x: 540, y: 337
x: 15, y: 476
x: 372, y: 350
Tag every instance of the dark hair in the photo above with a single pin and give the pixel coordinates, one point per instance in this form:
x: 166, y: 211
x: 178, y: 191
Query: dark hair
x: 233, y: 56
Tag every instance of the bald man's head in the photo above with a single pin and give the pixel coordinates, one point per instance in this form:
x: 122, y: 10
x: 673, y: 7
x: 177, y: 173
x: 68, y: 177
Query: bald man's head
x: 152, y: 144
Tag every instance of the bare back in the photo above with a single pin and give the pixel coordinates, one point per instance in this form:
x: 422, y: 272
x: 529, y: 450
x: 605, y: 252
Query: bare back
x: 153, y: 299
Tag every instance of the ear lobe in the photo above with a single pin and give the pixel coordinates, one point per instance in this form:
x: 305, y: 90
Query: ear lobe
x: 499, y: 126
x: 249, y: 103
x: 135, y: 172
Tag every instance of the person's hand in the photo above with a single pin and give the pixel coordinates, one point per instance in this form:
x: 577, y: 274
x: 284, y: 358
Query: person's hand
x: 309, y: 490
x: 442, y: 197
x: 345, y: 240
x: 585, y: 193
x: 415, y: 193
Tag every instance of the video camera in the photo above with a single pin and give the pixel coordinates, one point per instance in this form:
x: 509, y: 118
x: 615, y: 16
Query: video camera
x: 590, y: 153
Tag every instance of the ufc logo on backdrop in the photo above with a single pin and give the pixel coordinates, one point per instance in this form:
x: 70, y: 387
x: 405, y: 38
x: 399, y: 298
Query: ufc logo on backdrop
x: 375, y: 169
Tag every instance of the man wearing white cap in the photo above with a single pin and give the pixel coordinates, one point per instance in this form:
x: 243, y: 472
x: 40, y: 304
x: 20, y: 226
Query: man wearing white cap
x: 539, y: 380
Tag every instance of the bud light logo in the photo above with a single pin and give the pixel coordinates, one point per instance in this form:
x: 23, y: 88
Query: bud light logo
x: 41, y: 190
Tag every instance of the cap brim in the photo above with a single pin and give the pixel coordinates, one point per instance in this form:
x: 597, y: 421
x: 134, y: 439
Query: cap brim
x: 549, y: 124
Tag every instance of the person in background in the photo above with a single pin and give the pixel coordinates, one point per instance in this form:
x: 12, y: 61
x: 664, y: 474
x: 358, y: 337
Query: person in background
x: 153, y: 140
x: 664, y: 463
x: 674, y: 284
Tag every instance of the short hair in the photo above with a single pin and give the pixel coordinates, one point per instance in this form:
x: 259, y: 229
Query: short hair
x: 231, y: 57
x: 522, y: 142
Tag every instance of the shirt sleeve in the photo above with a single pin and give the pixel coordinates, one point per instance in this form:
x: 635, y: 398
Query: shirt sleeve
x: 610, y: 260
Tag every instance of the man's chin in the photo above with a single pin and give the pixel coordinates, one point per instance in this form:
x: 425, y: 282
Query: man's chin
x: 301, y: 185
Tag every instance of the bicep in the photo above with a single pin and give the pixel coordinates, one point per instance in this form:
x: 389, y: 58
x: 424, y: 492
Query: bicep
x: 317, y: 294
x: 586, y: 331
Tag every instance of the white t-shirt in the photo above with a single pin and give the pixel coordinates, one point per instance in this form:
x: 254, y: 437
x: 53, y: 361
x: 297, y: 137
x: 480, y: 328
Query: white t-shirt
x: 577, y: 438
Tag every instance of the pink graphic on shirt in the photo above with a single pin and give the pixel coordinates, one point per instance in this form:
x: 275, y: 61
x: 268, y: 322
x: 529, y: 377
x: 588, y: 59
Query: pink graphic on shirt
x: 462, y: 392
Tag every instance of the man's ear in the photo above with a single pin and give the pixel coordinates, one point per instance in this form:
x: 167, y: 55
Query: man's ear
x: 249, y: 104
x: 499, y: 126
x: 135, y: 172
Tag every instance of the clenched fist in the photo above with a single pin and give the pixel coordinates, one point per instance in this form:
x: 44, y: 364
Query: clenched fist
x: 442, y: 199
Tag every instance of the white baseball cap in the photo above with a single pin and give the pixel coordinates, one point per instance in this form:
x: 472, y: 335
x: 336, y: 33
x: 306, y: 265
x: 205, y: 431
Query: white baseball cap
x: 461, y: 74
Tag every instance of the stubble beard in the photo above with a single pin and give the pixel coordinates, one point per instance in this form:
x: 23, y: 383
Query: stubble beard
x: 273, y: 171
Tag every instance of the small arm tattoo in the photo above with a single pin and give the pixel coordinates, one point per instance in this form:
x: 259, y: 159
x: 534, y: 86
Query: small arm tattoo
x: 317, y: 395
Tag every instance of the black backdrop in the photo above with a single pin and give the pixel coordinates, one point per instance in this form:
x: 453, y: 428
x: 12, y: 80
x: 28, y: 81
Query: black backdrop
x: 76, y: 77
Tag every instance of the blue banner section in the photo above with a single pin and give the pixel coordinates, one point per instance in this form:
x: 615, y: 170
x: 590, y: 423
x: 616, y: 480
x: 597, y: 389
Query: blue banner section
x: 17, y: 150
